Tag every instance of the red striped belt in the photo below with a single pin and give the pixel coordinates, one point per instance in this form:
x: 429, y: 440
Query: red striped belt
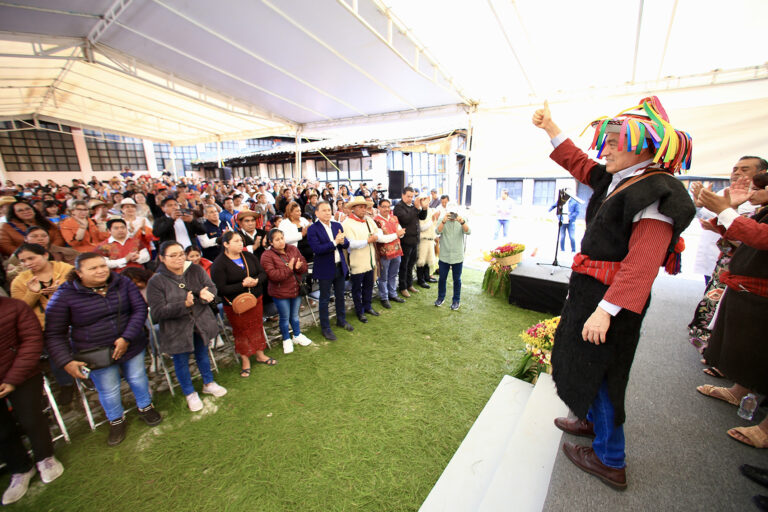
x: 756, y: 285
x: 603, y: 271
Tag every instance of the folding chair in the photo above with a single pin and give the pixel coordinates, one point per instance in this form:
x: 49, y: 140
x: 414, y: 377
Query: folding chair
x: 160, y: 361
x: 166, y: 371
x: 53, y: 409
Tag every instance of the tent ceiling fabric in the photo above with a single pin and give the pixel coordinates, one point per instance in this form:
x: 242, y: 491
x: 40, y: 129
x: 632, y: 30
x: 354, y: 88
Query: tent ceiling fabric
x: 274, y: 65
x: 194, y: 71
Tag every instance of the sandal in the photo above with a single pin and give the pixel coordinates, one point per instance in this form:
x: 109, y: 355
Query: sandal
x: 756, y: 437
x: 713, y: 372
x: 245, y: 372
x: 719, y: 393
x: 268, y: 362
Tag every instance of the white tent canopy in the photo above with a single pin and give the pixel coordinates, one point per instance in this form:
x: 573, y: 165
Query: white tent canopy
x: 186, y: 72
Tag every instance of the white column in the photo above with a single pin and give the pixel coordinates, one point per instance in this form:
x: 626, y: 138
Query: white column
x: 3, y: 175
x: 149, y: 155
x: 82, y: 153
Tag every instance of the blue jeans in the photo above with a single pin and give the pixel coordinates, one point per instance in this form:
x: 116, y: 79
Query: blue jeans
x: 362, y: 291
x: 501, y: 225
x: 289, y: 314
x: 443, y: 268
x: 337, y: 284
x: 570, y: 228
x: 107, y: 382
x: 388, y: 278
x: 609, y: 438
x: 181, y: 364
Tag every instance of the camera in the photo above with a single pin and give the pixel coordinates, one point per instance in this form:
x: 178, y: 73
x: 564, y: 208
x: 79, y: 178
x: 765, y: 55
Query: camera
x: 453, y: 216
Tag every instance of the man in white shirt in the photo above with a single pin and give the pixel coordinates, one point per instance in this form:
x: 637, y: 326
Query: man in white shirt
x: 363, y: 233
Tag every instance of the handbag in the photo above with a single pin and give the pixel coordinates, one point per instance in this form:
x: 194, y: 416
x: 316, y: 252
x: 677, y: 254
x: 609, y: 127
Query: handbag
x: 95, y: 358
x: 304, y: 288
x: 246, y: 300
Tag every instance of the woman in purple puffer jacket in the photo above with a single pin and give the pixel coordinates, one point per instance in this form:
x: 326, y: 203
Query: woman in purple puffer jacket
x: 103, y: 309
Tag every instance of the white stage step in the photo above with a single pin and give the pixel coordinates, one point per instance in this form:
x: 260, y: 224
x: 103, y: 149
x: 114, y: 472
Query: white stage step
x: 465, y: 480
x: 521, y: 480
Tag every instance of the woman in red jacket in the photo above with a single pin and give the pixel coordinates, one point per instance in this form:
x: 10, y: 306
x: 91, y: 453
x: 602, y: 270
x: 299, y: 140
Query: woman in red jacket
x: 21, y: 343
x: 285, y: 266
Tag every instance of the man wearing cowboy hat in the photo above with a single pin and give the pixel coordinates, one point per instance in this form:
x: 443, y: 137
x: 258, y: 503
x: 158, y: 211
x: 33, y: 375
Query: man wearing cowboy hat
x: 252, y: 236
x: 362, y: 233
x: 634, y: 219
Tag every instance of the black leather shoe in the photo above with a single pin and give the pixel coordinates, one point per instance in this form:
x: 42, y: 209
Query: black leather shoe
x: 345, y: 325
x: 372, y: 312
x: 362, y: 318
x: 423, y: 284
x: 761, y: 501
x: 150, y: 415
x: 759, y: 475
x: 431, y: 280
x: 328, y: 334
x: 385, y: 304
x: 397, y: 299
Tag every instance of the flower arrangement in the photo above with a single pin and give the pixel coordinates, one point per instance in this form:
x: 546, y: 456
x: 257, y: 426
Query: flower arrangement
x: 503, y: 261
x: 509, y: 249
x: 539, y: 339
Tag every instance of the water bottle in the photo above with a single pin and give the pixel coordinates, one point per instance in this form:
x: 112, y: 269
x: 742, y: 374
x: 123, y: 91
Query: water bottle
x: 748, y: 406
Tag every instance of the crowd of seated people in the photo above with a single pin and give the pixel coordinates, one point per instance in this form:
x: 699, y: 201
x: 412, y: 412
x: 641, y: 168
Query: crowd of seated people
x: 89, y: 263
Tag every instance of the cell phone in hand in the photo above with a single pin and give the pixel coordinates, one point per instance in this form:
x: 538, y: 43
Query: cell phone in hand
x: 85, y: 371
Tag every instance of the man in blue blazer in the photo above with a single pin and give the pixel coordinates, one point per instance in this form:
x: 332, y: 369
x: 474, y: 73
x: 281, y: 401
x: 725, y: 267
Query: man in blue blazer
x: 326, y: 238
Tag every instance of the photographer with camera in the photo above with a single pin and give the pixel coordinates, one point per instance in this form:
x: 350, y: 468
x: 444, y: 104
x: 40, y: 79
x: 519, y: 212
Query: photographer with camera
x: 452, y: 228
x: 568, y: 210
x: 176, y: 225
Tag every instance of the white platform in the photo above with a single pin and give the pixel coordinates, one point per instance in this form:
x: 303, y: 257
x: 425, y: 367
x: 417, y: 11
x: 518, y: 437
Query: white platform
x: 506, y: 459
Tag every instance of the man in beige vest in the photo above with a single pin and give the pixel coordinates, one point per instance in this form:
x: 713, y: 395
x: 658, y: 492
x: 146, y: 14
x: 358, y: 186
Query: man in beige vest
x: 362, y: 233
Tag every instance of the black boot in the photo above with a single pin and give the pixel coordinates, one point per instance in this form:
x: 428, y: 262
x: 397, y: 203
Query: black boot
x: 116, y: 432
x: 422, y: 275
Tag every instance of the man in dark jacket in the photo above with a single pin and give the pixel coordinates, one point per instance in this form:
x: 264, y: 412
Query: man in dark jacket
x: 177, y: 225
x: 409, y: 217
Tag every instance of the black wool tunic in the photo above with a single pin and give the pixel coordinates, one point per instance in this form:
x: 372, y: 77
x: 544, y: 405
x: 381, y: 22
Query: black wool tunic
x: 580, y: 367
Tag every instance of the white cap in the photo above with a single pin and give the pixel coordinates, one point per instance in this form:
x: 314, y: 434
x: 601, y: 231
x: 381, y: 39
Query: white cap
x: 126, y: 201
x: 452, y: 208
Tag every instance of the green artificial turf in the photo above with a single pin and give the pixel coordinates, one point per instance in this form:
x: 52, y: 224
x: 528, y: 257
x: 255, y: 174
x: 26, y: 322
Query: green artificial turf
x: 367, y: 422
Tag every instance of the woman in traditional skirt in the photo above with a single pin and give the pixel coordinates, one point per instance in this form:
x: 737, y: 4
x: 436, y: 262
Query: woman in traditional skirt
x: 737, y: 346
x: 236, y: 271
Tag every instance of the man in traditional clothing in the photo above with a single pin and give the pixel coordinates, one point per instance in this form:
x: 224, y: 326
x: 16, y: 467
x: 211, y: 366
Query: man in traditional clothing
x: 634, y: 220
x: 389, y: 254
x: 121, y: 250
x: 363, y: 233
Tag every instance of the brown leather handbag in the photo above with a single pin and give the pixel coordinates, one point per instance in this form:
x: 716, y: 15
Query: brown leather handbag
x: 246, y: 300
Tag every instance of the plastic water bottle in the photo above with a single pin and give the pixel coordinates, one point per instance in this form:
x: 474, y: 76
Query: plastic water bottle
x: 748, y: 406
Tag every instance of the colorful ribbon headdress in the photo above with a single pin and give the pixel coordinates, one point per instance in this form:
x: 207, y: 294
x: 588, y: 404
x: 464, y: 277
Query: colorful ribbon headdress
x: 642, y: 126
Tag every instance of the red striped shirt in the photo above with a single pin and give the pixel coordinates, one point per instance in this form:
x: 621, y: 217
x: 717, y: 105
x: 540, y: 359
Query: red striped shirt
x: 631, y: 279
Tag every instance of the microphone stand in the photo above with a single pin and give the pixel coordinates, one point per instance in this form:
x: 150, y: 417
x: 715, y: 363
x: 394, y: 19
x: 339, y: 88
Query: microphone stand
x: 561, y: 200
